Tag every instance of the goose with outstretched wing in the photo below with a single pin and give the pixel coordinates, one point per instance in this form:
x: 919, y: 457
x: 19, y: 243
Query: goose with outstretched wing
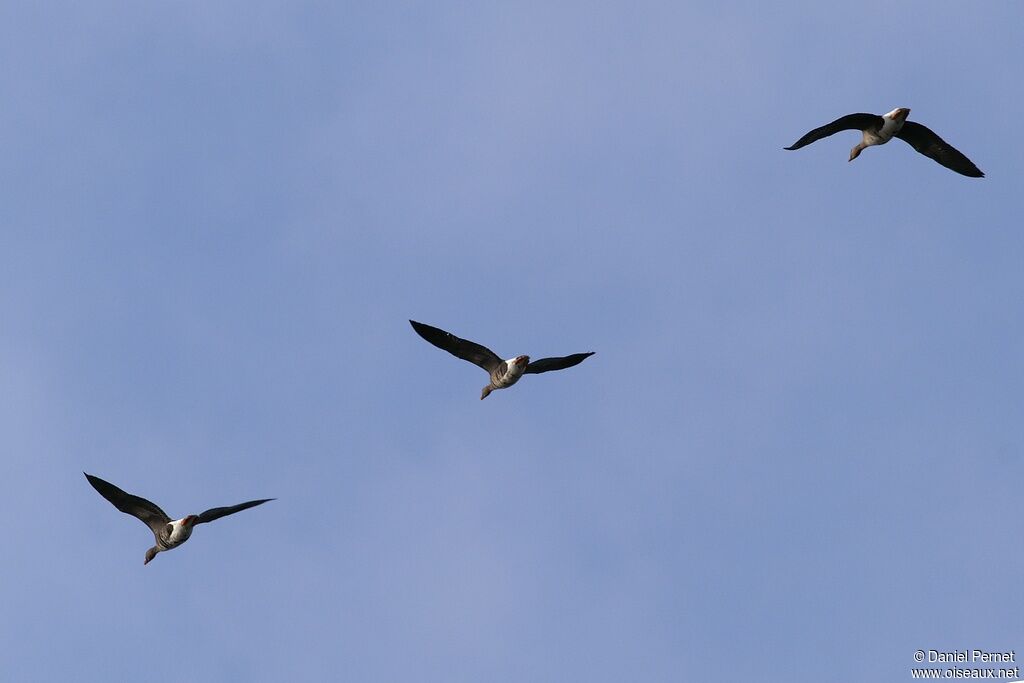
x: 504, y: 373
x: 878, y: 130
x: 169, y: 533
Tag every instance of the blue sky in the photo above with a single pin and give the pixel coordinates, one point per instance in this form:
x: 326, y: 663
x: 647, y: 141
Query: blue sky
x: 796, y: 455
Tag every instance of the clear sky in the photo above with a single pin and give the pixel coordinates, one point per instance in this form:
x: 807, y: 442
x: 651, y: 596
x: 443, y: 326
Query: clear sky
x: 796, y: 455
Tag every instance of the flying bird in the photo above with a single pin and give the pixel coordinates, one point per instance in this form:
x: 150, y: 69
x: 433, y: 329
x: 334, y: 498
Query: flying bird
x: 169, y: 533
x: 878, y: 130
x: 504, y: 373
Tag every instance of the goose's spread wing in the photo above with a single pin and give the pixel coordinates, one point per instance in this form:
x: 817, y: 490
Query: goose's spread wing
x: 848, y: 122
x: 217, y: 513
x: 462, y: 348
x: 925, y: 141
x: 151, y: 515
x: 548, y: 364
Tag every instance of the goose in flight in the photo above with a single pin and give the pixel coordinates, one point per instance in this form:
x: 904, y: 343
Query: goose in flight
x: 878, y: 130
x: 169, y: 533
x: 504, y: 373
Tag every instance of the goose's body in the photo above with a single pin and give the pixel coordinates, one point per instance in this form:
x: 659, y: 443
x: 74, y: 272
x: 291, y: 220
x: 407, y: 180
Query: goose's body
x: 168, y: 533
x: 878, y: 130
x: 508, y: 372
x: 503, y: 373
